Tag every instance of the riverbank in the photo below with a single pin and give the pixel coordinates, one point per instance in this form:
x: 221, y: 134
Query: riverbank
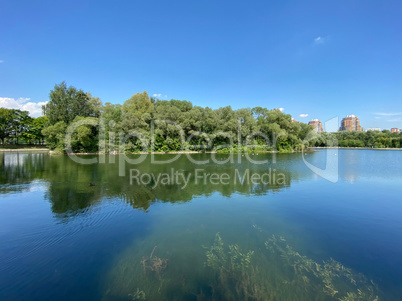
x: 366, y: 148
x: 32, y: 148
x: 179, y: 152
x: 18, y: 148
x: 24, y: 150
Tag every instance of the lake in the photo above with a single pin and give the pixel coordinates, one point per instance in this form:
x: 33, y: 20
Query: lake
x: 201, y: 227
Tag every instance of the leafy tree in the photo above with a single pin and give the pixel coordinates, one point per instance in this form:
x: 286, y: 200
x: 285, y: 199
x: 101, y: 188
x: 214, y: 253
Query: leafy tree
x: 55, y: 135
x: 14, y: 124
x: 95, y: 104
x: 111, y: 117
x: 37, y: 126
x: 85, y: 137
x: 138, y: 105
x: 6, y: 123
x: 66, y: 103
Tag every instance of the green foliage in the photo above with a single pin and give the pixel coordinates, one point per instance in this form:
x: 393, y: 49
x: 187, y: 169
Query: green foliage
x: 8, y: 123
x: 370, y: 139
x: 161, y: 125
x: 85, y: 138
x: 66, y: 103
x: 55, y: 135
x: 175, y: 125
x: 17, y: 126
x: 37, y: 125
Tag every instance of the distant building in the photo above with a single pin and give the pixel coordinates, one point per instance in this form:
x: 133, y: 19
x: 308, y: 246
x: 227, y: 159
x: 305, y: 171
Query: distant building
x: 394, y: 130
x: 374, y: 129
x: 294, y: 120
x: 350, y: 123
x: 317, y: 125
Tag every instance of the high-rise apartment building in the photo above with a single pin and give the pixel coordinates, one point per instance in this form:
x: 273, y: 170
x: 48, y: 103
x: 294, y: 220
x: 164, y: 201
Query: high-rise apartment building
x: 394, y: 130
x: 317, y: 125
x: 350, y: 123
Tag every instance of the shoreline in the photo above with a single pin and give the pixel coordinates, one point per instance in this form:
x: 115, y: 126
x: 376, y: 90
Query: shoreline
x: 6, y: 150
x: 355, y: 148
x: 310, y: 149
x: 180, y: 153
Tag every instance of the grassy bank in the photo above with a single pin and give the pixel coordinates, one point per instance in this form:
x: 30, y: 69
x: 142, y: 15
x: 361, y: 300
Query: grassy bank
x: 22, y: 147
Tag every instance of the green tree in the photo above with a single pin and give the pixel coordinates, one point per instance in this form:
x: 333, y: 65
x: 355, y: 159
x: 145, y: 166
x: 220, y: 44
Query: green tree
x: 38, y: 124
x: 14, y: 124
x: 85, y: 136
x: 6, y: 123
x: 66, y: 103
x: 55, y: 135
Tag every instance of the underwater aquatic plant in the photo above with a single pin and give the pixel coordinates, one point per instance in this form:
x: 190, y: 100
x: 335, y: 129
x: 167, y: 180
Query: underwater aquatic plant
x: 332, y: 277
x: 230, y: 260
x: 359, y: 296
x: 138, y: 295
x: 272, y: 270
x: 281, y: 274
x: 236, y: 279
x: 154, y: 263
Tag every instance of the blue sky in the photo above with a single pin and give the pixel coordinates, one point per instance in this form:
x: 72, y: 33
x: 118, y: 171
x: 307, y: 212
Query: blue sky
x: 321, y: 58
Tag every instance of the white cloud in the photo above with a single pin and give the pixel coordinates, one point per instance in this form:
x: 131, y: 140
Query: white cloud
x: 395, y: 120
x: 281, y: 109
x: 157, y: 95
x: 320, y: 40
x: 303, y: 115
x: 34, y: 108
x: 388, y: 114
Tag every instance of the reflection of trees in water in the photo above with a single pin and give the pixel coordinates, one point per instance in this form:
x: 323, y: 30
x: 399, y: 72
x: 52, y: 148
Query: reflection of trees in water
x: 19, y: 168
x: 70, y: 191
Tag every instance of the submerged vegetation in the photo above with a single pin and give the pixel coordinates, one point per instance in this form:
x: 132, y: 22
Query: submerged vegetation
x: 300, y: 278
x: 234, y: 274
x: 154, y: 263
x: 273, y: 270
x: 138, y: 295
x: 329, y: 277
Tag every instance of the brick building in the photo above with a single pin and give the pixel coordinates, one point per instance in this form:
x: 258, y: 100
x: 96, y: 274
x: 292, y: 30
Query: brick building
x: 317, y: 125
x: 350, y: 123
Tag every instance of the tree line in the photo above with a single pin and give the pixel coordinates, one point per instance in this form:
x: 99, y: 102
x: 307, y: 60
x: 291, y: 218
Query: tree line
x: 169, y: 125
x: 164, y: 125
x: 369, y: 139
x: 17, y: 127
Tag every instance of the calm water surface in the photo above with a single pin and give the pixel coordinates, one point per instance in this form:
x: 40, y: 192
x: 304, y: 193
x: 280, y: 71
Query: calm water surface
x: 299, y: 238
